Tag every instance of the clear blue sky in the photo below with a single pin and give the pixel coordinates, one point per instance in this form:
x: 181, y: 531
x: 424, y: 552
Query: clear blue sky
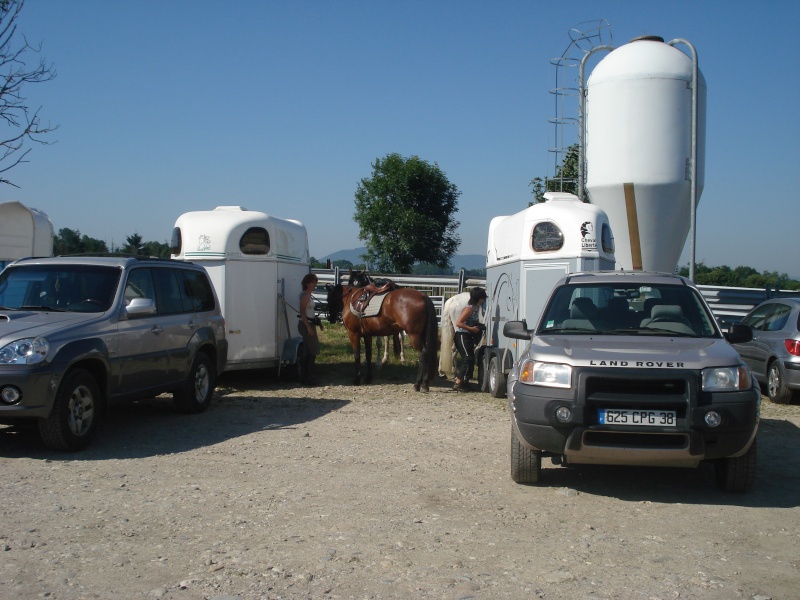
x: 176, y: 105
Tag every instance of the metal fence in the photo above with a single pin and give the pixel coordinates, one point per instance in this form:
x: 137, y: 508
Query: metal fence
x: 729, y: 304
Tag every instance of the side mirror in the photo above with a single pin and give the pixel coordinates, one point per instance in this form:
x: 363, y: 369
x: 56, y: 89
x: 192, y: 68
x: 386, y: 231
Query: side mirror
x: 739, y: 334
x: 517, y: 330
x: 140, y: 307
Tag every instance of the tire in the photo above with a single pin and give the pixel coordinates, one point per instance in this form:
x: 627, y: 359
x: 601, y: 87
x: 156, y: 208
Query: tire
x: 76, y: 414
x: 776, y: 386
x: 480, y: 361
x: 526, y: 464
x: 496, y: 379
x: 195, y: 397
x: 737, y: 474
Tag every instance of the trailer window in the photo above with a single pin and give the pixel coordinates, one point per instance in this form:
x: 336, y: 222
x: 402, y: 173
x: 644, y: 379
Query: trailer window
x: 177, y: 241
x: 546, y: 237
x: 255, y: 241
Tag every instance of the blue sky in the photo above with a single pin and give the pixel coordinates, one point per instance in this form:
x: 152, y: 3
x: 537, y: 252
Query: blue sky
x: 176, y: 105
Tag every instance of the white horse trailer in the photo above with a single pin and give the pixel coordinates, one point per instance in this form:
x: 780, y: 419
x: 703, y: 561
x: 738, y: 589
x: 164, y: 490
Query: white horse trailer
x: 23, y: 232
x: 526, y: 254
x: 256, y: 263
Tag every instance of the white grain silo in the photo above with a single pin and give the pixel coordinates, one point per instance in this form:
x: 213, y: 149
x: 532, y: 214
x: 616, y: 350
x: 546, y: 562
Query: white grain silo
x: 640, y: 130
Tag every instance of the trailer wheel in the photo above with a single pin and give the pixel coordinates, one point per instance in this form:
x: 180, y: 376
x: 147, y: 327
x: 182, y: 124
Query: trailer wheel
x: 480, y: 360
x: 496, y: 379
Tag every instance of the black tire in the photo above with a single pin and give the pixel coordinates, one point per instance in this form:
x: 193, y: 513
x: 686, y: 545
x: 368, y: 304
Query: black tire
x: 737, y: 474
x: 776, y: 384
x: 480, y: 360
x: 496, y: 378
x: 76, y: 414
x: 526, y: 464
x: 195, y: 397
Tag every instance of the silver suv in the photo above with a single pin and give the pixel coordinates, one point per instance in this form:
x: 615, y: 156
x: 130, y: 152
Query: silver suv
x: 632, y: 369
x: 78, y: 333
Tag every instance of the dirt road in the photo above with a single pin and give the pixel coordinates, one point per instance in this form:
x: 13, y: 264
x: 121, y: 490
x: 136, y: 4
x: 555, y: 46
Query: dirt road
x: 280, y: 491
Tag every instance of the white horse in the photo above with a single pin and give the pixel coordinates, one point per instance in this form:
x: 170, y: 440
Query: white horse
x: 384, y: 343
x: 451, y: 310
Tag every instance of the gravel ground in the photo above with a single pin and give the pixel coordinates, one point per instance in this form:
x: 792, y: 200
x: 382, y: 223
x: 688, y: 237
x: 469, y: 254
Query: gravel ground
x: 280, y: 491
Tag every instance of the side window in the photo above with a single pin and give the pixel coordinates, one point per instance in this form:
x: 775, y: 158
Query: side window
x: 778, y: 318
x: 255, y: 241
x: 168, y: 291
x: 197, y: 290
x: 139, y: 285
x: 757, y: 318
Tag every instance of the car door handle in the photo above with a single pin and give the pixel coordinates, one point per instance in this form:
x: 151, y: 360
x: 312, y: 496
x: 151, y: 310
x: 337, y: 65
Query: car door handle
x: 192, y: 324
x: 156, y: 329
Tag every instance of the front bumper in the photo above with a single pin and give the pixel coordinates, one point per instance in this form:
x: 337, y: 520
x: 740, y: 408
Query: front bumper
x: 37, y: 385
x: 582, y: 439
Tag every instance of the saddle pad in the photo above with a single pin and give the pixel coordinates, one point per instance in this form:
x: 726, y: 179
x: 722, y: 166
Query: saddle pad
x: 373, y: 308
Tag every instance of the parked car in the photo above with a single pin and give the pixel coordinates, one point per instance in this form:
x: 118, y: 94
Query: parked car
x: 78, y: 333
x: 774, y: 352
x: 631, y: 368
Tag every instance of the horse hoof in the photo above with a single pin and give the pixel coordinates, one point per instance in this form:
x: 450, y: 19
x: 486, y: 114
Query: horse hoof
x: 416, y: 387
x: 424, y: 389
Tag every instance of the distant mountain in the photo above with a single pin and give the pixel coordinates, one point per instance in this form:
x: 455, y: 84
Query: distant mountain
x: 459, y: 261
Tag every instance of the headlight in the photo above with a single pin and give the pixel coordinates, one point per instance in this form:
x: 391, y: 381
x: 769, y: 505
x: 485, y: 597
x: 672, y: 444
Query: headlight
x: 726, y: 379
x: 29, y: 351
x: 547, y: 374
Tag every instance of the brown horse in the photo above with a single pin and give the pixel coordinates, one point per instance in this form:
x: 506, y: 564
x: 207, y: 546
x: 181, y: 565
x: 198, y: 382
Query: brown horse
x: 404, y: 309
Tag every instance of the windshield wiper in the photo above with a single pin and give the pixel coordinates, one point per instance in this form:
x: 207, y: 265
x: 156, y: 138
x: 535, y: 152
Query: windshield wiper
x: 42, y: 307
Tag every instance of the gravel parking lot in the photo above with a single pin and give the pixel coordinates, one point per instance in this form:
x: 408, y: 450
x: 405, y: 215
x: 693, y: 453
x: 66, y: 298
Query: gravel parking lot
x: 280, y: 491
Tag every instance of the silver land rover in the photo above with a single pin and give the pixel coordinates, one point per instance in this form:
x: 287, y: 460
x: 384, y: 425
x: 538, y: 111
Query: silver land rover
x: 78, y: 333
x: 630, y: 368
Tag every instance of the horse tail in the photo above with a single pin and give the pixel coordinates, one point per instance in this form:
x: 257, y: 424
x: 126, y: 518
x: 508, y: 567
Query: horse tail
x: 447, y: 329
x: 431, y: 337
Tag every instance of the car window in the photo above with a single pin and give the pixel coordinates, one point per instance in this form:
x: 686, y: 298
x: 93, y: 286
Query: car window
x: 777, y: 318
x: 72, y: 288
x: 168, y: 291
x: 139, y: 285
x: 757, y: 318
x: 197, y: 290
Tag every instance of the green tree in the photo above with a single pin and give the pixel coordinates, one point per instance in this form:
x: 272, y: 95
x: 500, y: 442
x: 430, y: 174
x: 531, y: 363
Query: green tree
x: 161, y: 250
x: 133, y: 244
x: 22, y: 124
x: 405, y: 214
x: 69, y: 241
x: 745, y: 277
x: 565, y: 180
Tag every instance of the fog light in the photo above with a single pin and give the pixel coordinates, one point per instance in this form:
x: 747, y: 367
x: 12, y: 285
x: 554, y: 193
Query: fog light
x: 713, y: 418
x: 563, y: 414
x: 10, y: 395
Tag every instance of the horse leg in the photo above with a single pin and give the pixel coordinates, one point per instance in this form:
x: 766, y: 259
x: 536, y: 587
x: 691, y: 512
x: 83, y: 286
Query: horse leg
x: 421, y: 384
x: 385, y: 358
x: 368, y: 352
x: 355, y: 342
x: 378, y: 349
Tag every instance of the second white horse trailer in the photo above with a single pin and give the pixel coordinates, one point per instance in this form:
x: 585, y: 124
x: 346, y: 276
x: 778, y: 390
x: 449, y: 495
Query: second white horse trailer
x: 256, y: 262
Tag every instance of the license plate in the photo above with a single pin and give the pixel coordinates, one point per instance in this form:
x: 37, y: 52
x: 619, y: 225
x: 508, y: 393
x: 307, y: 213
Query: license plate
x: 648, y: 418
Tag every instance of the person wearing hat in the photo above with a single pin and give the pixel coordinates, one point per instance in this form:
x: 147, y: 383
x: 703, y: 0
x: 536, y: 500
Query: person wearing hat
x: 469, y: 330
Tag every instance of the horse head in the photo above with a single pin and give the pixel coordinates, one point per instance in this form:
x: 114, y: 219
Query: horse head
x: 334, y: 301
x: 358, y: 278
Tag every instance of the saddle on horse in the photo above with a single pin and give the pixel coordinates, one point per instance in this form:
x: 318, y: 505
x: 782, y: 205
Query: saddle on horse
x: 369, y: 291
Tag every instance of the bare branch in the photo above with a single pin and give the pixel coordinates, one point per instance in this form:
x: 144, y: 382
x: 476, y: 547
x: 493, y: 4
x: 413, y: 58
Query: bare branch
x: 23, y: 123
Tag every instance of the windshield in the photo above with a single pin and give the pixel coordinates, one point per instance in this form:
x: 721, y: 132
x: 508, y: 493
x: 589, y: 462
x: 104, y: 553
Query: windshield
x: 641, y: 310
x: 70, y: 288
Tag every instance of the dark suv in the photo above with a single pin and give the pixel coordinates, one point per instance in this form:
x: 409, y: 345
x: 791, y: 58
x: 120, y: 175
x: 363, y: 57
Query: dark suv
x: 77, y: 333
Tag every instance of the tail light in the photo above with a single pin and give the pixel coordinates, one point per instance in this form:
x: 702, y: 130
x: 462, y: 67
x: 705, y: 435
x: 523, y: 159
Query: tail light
x: 793, y: 346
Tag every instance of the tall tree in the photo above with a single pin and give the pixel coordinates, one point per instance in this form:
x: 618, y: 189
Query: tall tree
x: 133, y: 244
x: 405, y: 214
x: 22, y: 122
